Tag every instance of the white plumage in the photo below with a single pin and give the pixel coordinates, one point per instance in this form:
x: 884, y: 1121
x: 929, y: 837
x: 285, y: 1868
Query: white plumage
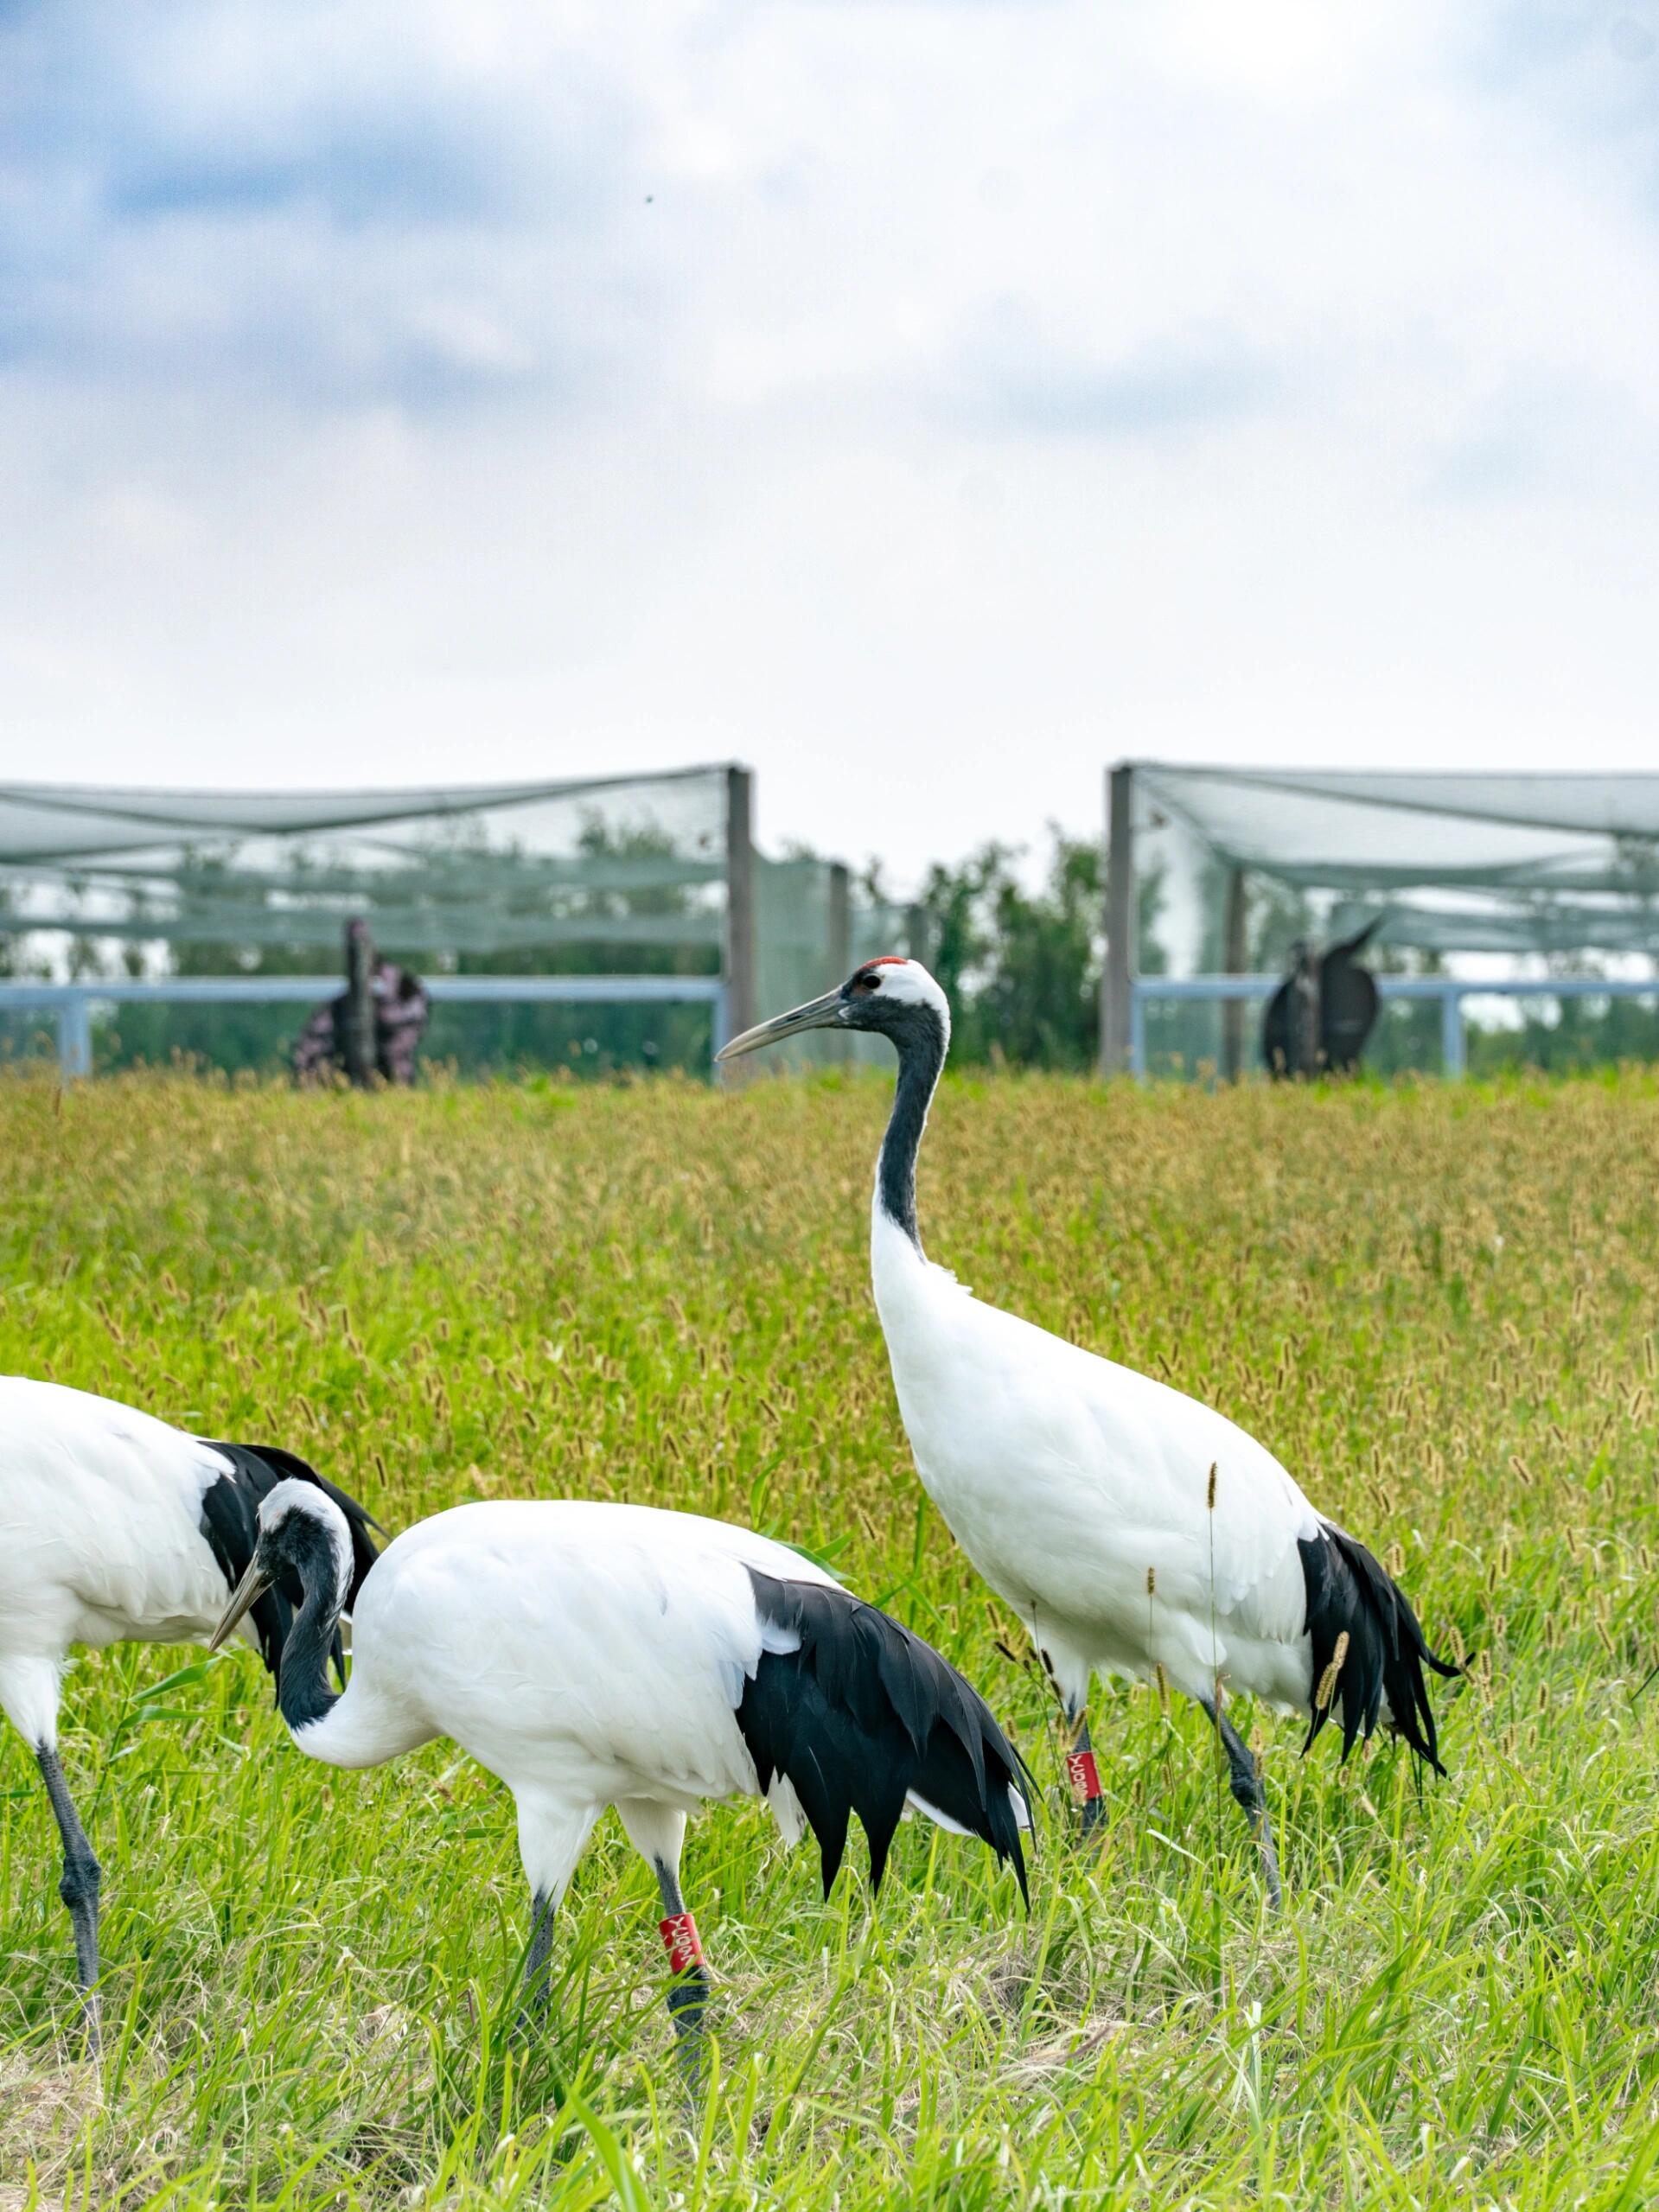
x: 588, y: 1653
x: 1132, y: 1529
x: 100, y: 1539
x: 1068, y: 1481
x: 115, y: 1527
x: 595, y: 1654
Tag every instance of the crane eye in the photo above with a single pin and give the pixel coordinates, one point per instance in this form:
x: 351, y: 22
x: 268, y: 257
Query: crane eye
x: 862, y: 985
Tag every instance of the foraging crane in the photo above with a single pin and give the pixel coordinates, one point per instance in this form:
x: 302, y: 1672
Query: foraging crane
x: 593, y: 1655
x: 1133, y: 1530
x: 113, y: 1527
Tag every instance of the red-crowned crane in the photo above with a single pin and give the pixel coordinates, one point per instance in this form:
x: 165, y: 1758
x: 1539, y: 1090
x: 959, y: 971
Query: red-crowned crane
x: 115, y: 1527
x: 592, y: 1655
x: 1132, y: 1529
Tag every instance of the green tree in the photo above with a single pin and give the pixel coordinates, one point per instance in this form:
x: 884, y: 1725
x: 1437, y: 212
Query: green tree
x: 1022, y: 966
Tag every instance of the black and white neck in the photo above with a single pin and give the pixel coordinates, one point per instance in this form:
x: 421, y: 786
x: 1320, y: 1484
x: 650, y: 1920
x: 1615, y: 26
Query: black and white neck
x: 304, y: 1540
x: 921, y: 1041
x: 895, y: 998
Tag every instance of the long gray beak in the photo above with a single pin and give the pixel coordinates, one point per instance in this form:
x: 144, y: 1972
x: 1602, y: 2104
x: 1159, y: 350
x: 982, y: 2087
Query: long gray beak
x: 253, y: 1587
x: 823, y: 1013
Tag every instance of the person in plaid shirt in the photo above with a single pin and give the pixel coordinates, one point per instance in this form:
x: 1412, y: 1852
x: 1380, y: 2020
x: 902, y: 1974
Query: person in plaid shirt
x: 401, y: 1011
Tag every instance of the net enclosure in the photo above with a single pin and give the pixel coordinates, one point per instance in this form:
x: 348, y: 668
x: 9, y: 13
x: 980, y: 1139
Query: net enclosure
x: 1546, y: 865
x: 614, y: 878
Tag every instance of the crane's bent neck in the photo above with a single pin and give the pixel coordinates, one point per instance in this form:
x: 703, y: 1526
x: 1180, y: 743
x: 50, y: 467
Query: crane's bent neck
x: 355, y: 1727
x: 342, y: 1729
x: 921, y: 1056
x: 323, y: 1722
x: 304, y: 1696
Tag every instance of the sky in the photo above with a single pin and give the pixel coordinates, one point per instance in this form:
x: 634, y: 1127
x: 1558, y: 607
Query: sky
x: 925, y: 401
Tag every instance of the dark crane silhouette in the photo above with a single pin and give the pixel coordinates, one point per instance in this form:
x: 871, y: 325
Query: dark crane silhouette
x: 1320, y: 1016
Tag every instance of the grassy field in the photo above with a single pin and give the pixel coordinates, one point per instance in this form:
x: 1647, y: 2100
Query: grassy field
x: 1438, y: 1307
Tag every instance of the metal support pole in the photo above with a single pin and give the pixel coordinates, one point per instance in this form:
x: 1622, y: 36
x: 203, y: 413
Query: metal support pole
x: 359, y: 1040
x: 1234, y: 949
x: 838, y: 934
x: 741, y: 1012
x: 1452, y: 1062
x: 74, y: 1037
x: 1120, y: 968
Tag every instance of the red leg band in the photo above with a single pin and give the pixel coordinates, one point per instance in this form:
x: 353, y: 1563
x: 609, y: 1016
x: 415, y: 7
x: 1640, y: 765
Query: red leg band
x: 1084, y: 1776
x: 684, y: 1945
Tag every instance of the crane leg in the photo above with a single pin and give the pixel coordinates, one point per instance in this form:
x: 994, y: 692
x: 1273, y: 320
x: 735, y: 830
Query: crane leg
x: 688, y: 1993
x: 78, y: 1886
x: 657, y: 1831
x: 533, y: 2012
x: 1245, y: 1777
x: 552, y: 1834
x: 1081, y: 1770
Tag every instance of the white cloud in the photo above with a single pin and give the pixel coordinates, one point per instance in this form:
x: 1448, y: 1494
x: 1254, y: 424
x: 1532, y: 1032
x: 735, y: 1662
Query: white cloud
x: 926, y: 402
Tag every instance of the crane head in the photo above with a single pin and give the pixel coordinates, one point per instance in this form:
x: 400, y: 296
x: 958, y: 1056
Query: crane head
x: 304, y: 1539
x: 891, y: 997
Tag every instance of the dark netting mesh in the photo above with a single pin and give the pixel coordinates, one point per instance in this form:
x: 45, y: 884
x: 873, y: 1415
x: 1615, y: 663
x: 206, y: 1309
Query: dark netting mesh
x: 1522, y: 863
x: 444, y: 875
x: 805, y: 947
x: 604, y: 877
x: 1478, y: 878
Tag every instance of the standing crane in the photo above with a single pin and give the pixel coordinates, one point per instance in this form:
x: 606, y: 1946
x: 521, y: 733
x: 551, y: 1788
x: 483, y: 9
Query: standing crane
x: 1318, y: 1019
x: 113, y: 1527
x: 592, y: 1655
x: 1134, y: 1530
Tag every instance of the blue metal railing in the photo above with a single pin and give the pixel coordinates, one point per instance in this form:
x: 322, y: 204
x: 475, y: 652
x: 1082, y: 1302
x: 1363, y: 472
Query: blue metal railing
x: 1449, y: 990
x: 70, y: 1004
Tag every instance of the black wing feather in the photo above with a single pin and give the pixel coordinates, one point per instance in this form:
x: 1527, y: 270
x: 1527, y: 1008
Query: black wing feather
x: 1350, y: 1592
x: 862, y: 1713
x: 1350, y: 948
x: 230, y: 1521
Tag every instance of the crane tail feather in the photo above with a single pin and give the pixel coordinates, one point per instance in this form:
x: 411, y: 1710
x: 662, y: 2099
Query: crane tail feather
x: 862, y: 1716
x: 1350, y: 1595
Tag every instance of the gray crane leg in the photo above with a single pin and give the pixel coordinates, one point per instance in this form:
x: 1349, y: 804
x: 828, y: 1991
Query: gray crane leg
x: 1082, y: 1759
x: 77, y: 1887
x: 534, y: 2010
x: 688, y: 1993
x: 1245, y: 1777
